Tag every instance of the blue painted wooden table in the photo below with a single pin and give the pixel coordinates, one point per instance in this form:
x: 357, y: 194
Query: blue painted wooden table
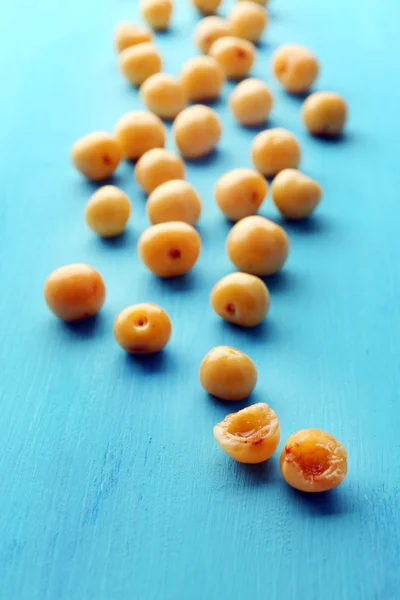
x: 112, y: 486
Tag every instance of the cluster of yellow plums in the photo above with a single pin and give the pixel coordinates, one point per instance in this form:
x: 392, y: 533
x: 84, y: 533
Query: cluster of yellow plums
x: 312, y: 460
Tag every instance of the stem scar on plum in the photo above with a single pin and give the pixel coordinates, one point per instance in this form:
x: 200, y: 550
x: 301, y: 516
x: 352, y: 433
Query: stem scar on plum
x: 174, y: 253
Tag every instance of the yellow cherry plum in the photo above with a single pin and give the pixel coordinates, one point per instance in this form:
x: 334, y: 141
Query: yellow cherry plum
x: 234, y: 55
x: 325, y: 113
x: 257, y: 246
x: 240, y: 193
x: 142, y: 329
x: 197, y: 130
x: 108, y: 211
x: 275, y: 149
x: 202, y: 78
x: 174, y: 200
x: 139, y: 131
x: 228, y: 373
x: 75, y: 292
x: 96, y: 155
x: 295, y: 67
x: 207, y: 7
x: 250, y: 435
x: 248, y: 21
x: 164, y: 95
x: 294, y: 194
x: 157, y: 13
x: 129, y: 34
x: 170, y: 249
x: 251, y: 102
x: 137, y: 63
x: 241, y: 298
x: 209, y: 30
x: 157, y: 166
x: 313, y: 461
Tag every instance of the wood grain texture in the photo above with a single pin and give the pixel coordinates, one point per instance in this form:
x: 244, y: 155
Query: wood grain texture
x: 112, y: 486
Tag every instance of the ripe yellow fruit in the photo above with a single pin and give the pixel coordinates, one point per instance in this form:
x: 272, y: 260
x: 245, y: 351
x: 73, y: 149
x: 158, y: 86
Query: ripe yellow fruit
x: 169, y: 249
x: 248, y: 20
x: 294, y: 194
x: 234, y: 55
x: 157, y: 13
x: 325, y: 113
x: 74, y: 292
x: 313, y: 461
x: 142, y: 329
x: 156, y: 167
x: 241, y: 298
x: 207, y: 7
x: 258, y: 246
x: 175, y: 200
x: 96, y: 155
x: 202, y: 78
x: 274, y: 150
x: 139, y: 62
x: 197, y: 130
x: 251, y: 102
x: 138, y: 132
x: 107, y: 211
x: 240, y: 193
x: 250, y: 435
x: 208, y: 31
x: 164, y: 95
x: 129, y: 34
x: 295, y: 67
x: 228, y: 373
